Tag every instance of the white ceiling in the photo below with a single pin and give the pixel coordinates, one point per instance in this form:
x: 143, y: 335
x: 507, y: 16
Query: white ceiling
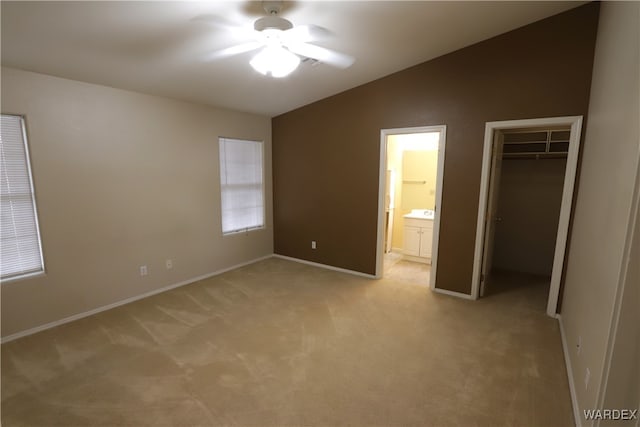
x: 156, y: 47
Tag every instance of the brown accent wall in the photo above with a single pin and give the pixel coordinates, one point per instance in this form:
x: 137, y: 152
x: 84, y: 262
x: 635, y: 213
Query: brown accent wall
x: 326, y: 154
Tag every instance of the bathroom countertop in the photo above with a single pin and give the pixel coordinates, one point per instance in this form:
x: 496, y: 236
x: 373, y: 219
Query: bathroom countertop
x: 420, y: 214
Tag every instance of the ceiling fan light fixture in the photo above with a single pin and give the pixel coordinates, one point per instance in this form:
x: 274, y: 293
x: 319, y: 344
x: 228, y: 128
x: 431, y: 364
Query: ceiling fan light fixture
x: 272, y: 22
x: 275, y: 60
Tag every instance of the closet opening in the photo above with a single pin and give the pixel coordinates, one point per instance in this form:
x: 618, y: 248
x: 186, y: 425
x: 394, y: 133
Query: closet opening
x: 525, y: 203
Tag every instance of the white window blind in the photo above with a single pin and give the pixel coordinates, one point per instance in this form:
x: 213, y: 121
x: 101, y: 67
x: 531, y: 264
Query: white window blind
x: 20, y: 252
x: 241, y: 185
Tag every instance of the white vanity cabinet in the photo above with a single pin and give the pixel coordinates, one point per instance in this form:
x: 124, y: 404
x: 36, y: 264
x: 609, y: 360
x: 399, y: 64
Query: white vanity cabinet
x: 418, y: 237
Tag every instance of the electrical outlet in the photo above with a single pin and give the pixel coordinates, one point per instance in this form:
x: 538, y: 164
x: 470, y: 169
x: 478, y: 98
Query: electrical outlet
x: 143, y: 270
x: 587, y: 377
x: 169, y: 264
x: 313, y: 244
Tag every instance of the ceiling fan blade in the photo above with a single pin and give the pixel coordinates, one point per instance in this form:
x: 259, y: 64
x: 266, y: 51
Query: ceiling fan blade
x: 322, y: 54
x: 306, y: 33
x: 231, y: 51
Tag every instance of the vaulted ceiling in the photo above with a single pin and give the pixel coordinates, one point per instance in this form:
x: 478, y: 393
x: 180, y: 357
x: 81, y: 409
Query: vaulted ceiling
x: 159, y: 47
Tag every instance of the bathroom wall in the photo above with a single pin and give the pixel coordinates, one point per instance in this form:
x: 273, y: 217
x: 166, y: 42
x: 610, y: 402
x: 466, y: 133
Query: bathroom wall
x: 394, y: 162
x: 418, y: 166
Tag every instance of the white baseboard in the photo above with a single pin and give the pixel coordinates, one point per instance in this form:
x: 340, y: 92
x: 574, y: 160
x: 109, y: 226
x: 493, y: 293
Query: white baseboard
x: 572, y: 386
x: 421, y: 260
x: 325, y: 266
x: 55, y: 323
x: 369, y: 276
x: 453, y: 293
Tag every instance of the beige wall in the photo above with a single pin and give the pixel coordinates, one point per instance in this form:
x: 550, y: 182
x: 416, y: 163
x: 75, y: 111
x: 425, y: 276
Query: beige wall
x: 602, y: 222
x: 622, y: 368
x: 122, y: 179
x: 529, y: 206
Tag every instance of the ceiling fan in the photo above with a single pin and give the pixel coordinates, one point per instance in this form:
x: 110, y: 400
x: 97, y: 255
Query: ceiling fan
x: 283, y: 45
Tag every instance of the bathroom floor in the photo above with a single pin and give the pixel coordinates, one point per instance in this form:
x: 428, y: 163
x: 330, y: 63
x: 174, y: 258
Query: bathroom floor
x: 396, y: 268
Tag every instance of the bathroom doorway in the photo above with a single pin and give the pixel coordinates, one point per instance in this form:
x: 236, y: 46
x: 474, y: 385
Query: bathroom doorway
x: 410, y: 194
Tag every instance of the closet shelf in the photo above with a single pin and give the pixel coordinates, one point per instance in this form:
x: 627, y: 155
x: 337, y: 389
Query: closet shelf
x: 552, y: 143
x: 559, y: 155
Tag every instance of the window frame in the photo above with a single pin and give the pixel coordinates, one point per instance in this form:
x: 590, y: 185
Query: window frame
x: 245, y: 230
x: 27, y: 158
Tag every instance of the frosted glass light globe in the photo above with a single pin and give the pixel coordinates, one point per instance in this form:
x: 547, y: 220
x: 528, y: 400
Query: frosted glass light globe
x: 275, y: 60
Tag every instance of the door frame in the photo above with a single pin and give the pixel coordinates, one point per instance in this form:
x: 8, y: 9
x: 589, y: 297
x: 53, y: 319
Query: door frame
x: 384, y: 134
x: 575, y: 124
x: 493, y: 194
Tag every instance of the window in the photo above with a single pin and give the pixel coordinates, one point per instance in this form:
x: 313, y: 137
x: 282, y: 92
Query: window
x: 21, y: 252
x: 241, y: 185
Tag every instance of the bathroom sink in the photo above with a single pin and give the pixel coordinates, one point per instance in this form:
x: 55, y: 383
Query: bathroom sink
x: 420, y: 214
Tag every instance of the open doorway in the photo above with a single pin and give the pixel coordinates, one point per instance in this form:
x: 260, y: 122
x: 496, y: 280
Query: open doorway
x: 411, y: 170
x: 526, y: 193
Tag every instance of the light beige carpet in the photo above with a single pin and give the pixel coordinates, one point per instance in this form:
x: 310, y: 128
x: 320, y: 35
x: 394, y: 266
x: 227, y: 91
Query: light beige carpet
x: 279, y: 343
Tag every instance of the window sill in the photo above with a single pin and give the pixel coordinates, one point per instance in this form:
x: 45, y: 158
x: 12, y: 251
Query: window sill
x: 245, y: 231
x: 22, y: 277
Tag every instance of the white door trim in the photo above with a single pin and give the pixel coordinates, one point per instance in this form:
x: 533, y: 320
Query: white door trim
x: 384, y: 133
x: 575, y: 122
